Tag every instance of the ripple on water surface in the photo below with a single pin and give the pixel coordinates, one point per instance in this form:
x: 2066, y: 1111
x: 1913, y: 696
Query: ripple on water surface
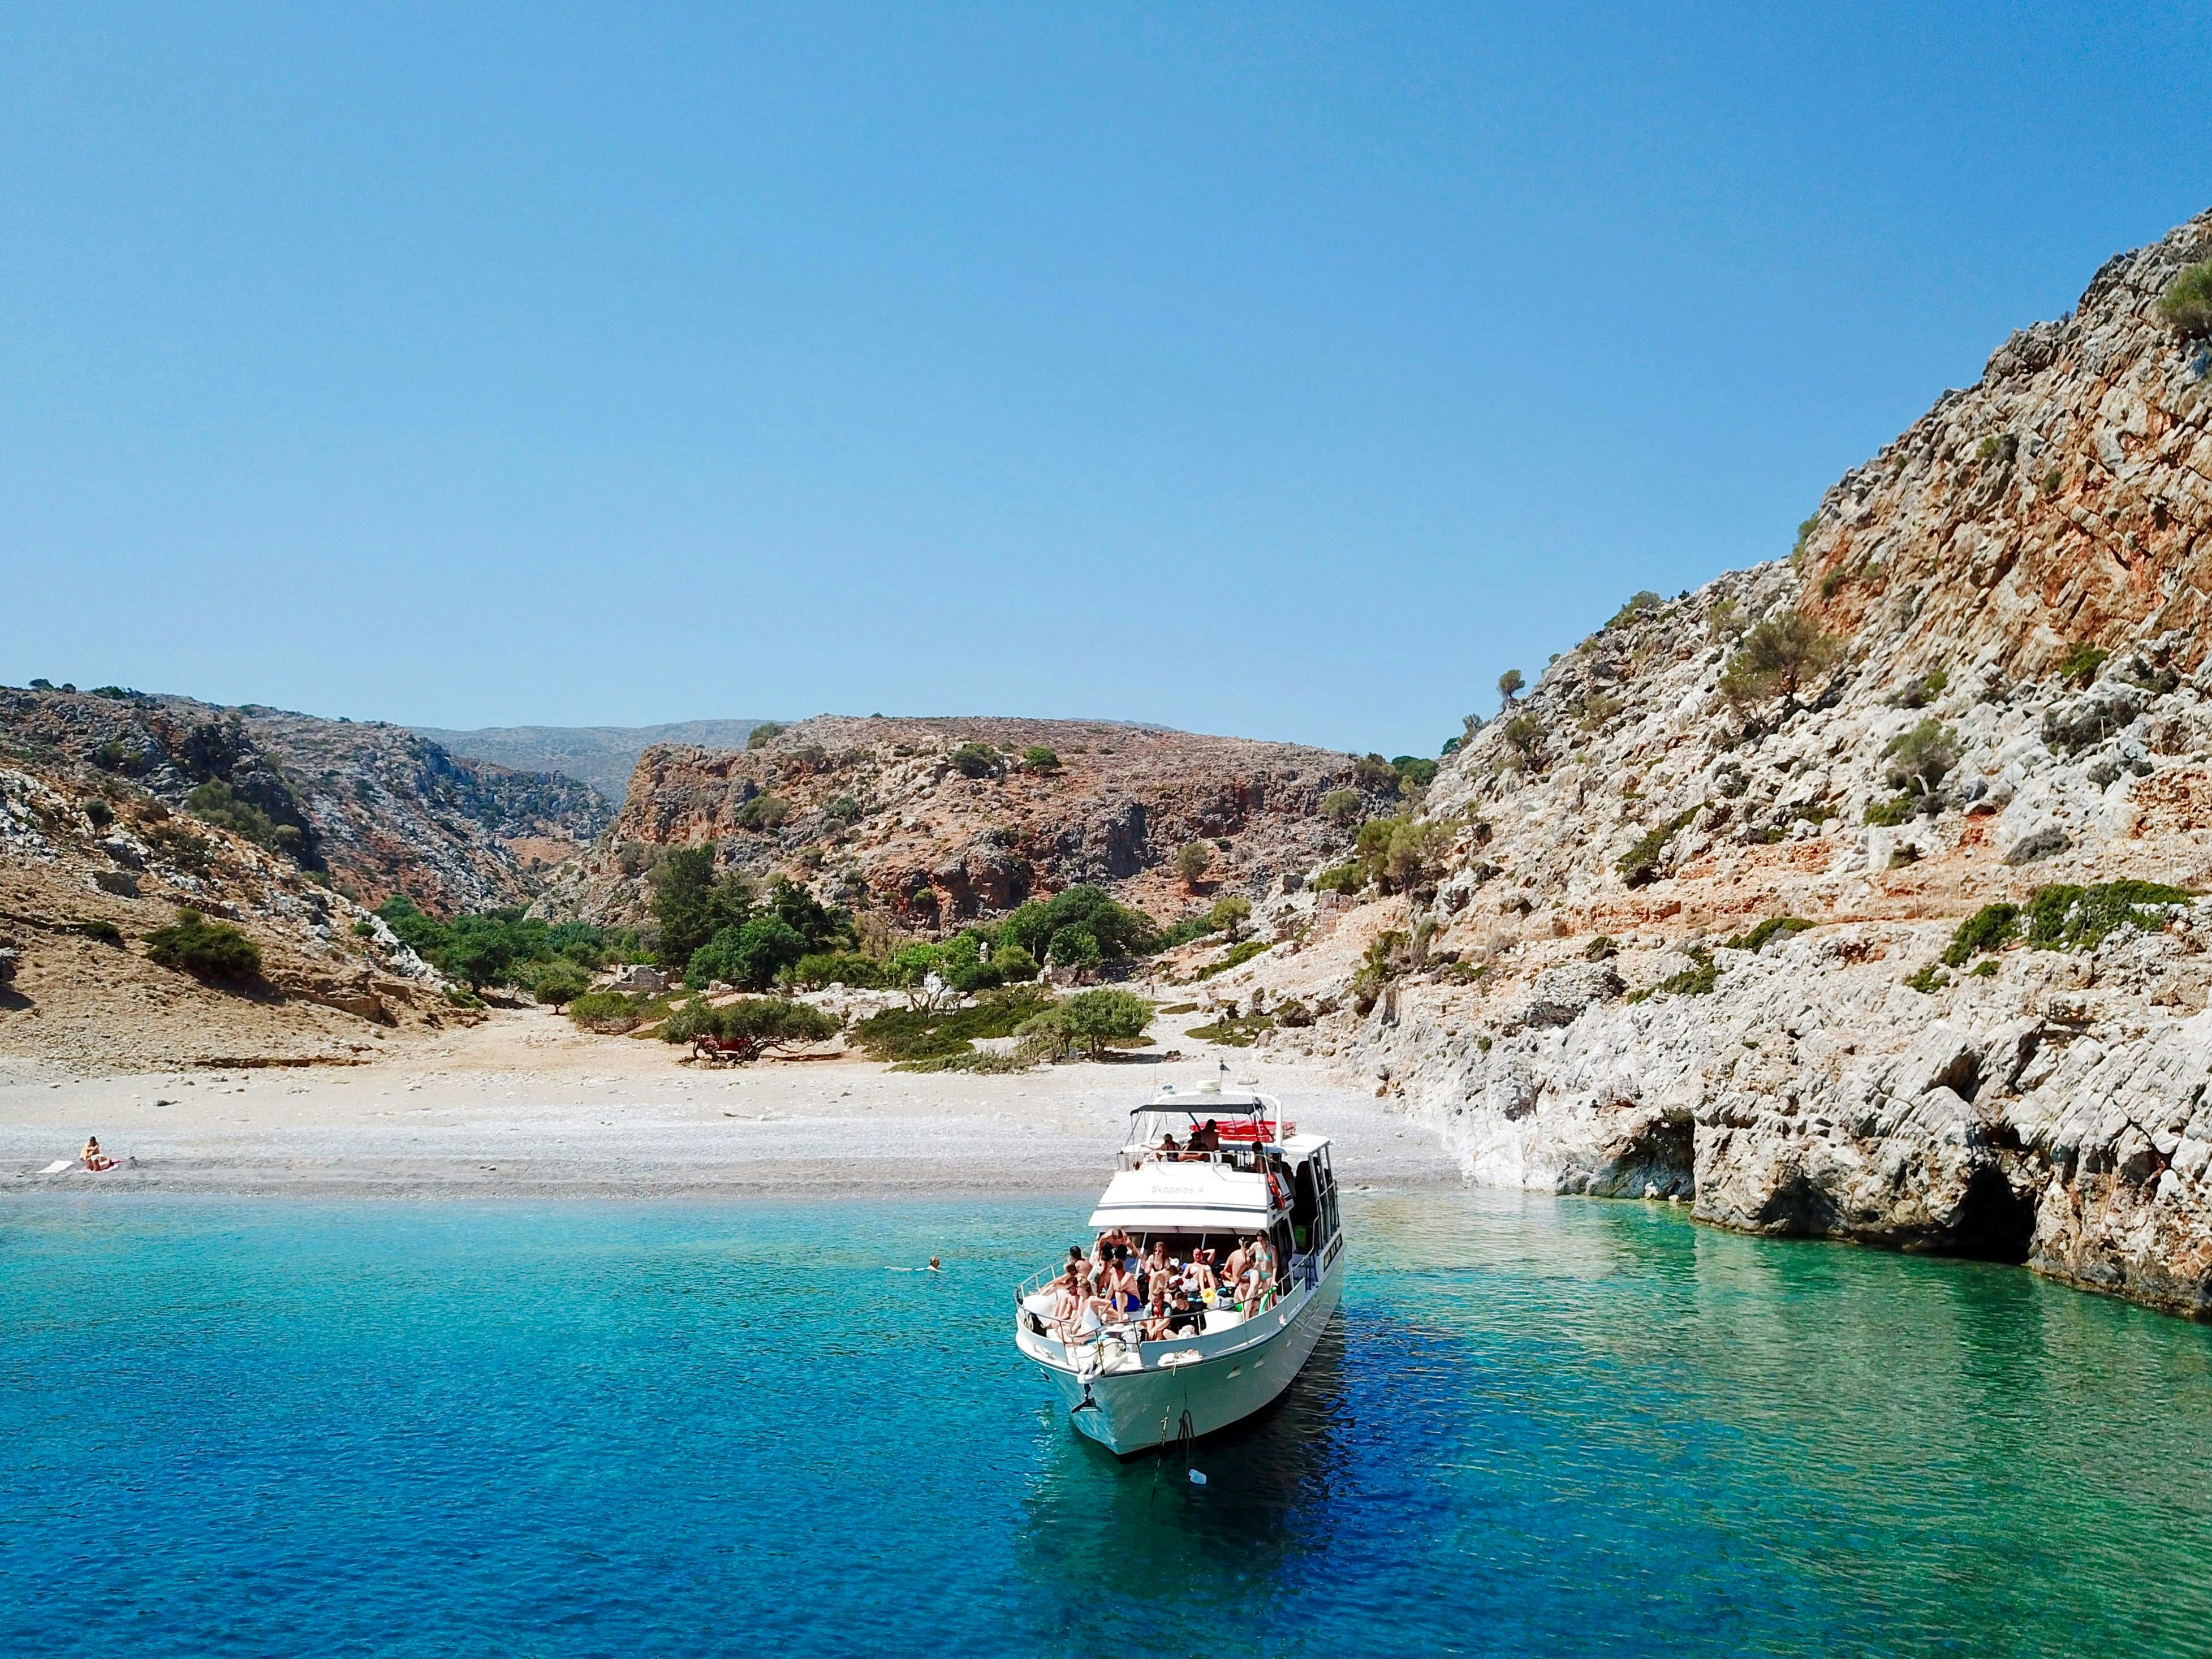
x: 1539, y: 1426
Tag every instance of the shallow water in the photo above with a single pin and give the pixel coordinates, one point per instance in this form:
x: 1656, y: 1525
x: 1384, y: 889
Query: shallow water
x: 1552, y: 1427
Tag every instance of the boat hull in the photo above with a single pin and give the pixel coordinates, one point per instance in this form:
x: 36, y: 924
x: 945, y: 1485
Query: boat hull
x: 1133, y: 1410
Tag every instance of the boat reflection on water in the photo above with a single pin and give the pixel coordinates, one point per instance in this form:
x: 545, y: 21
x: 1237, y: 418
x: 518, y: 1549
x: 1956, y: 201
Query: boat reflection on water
x: 1110, y: 1541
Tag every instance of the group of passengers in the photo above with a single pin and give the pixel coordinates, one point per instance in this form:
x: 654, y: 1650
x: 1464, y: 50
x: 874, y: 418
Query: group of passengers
x: 1204, y: 1138
x: 1165, y: 1296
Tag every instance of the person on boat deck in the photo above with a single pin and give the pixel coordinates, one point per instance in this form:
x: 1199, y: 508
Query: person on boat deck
x: 1240, y: 1260
x: 1201, y: 1273
x: 1068, y: 1296
x: 94, y: 1159
x: 1157, y: 1264
x: 1206, y: 1138
x: 1185, y: 1316
x: 1169, y: 1150
x: 1122, y: 1292
x: 1155, y: 1318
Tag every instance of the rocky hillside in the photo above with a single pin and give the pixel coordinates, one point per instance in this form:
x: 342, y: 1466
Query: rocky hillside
x: 1998, y: 629
x: 601, y: 755
x: 91, y: 865
x: 878, y: 813
x: 379, y: 808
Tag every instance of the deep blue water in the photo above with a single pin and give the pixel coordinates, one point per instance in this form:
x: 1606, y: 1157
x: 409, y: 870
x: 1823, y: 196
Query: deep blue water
x: 1544, y: 1427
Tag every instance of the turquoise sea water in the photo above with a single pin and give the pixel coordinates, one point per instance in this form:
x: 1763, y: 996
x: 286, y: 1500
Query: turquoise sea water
x: 1545, y: 1427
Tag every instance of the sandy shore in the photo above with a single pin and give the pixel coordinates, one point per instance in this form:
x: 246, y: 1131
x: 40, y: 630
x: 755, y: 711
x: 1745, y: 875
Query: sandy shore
x: 524, y: 1104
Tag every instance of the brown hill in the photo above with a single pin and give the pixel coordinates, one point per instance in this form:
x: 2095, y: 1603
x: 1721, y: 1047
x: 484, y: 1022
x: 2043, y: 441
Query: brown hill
x: 877, y: 813
x: 380, y: 809
x: 89, y: 865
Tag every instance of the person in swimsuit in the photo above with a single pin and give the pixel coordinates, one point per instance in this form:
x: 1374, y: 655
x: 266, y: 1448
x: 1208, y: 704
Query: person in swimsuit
x: 94, y: 1159
x: 1156, y: 1319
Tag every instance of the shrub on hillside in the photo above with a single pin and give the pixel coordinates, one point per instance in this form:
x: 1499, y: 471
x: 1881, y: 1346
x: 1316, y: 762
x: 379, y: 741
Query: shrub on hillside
x: 1637, y: 604
x: 762, y: 735
x: 2068, y: 918
x: 1919, y: 760
x: 1039, y: 759
x: 1777, y: 657
x: 2186, y: 305
x: 2081, y: 661
x: 1192, y: 861
x: 1756, y: 939
x: 1640, y: 863
x: 977, y: 760
x: 209, y: 950
x: 1524, y: 740
x: 764, y: 812
x: 217, y: 803
x: 1230, y: 913
x: 1343, y: 807
x: 1414, y: 772
x: 1989, y: 928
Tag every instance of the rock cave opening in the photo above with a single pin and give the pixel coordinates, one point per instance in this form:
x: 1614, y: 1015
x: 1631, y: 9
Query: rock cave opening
x: 1995, y: 1223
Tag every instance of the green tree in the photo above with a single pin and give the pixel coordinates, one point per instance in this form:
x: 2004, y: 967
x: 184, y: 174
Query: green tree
x: 1039, y: 759
x: 1192, y: 861
x: 1229, y: 915
x: 682, y: 902
x: 749, y: 955
x: 1082, y: 926
x: 762, y: 735
x: 1509, y: 687
x: 1343, y: 807
x: 1777, y: 657
x: 752, y: 1026
x: 1095, y: 1020
x: 558, y: 983
x: 1920, y: 759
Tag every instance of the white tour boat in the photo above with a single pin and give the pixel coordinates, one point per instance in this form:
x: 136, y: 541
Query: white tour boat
x: 1250, y: 1174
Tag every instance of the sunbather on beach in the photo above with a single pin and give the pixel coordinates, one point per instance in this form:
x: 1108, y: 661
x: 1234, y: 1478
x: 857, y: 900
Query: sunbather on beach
x: 94, y: 1159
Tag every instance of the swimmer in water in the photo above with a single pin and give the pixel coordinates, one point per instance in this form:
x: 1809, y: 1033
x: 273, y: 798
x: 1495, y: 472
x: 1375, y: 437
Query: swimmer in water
x: 933, y: 1264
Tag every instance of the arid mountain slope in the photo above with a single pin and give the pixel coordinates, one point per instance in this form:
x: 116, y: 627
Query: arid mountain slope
x: 89, y: 865
x: 378, y: 808
x: 601, y: 755
x: 2040, y: 1104
x: 876, y: 812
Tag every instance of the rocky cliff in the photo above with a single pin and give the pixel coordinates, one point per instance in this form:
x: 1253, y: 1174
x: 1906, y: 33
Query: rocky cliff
x: 379, y: 808
x: 601, y: 755
x: 2004, y: 702
x: 877, y: 813
x: 90, y: 865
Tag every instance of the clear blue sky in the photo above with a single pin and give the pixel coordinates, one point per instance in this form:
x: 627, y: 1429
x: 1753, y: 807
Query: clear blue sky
x: 1267, y: 369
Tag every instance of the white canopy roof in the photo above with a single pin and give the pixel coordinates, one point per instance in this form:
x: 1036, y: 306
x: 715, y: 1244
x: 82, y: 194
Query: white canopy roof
x: 1195, y: 1197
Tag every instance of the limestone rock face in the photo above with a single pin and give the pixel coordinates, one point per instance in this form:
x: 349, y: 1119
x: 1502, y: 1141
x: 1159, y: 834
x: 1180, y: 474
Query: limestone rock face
x: 377, y: 807
x: 2017, y: 586
x: 877, y: 813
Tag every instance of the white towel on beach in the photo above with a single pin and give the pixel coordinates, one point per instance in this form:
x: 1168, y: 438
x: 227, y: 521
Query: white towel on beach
x: 59, y: 1165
